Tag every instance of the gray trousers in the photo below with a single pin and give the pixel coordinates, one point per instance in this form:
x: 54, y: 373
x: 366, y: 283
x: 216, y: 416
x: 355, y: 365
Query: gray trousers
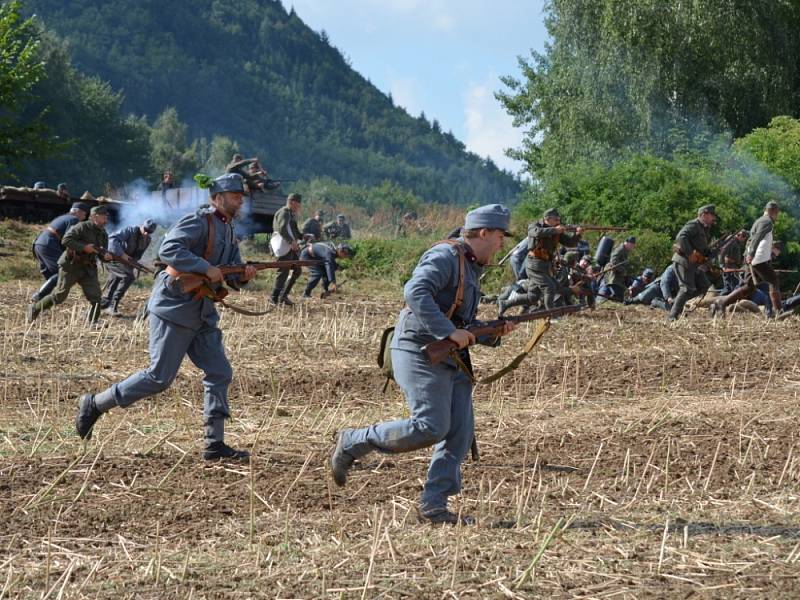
x: 169, y: 343
x: 119, y: 280
x: 440, y: 400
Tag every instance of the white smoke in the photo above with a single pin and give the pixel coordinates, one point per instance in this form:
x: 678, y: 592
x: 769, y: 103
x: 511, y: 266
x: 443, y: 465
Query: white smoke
x: 140, y: 203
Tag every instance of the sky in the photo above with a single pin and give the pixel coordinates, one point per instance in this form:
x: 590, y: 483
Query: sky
x: 443, y: 57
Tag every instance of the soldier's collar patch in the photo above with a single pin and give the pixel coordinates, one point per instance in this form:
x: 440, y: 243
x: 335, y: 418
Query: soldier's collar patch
x: 470, y: 256
x: 220, y: 216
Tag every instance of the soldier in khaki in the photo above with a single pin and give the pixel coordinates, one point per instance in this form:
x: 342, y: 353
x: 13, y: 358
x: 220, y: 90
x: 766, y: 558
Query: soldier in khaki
x: 78, y: 264
x: 691, y: 251
x: 544, y: 238
x: 613, y: 286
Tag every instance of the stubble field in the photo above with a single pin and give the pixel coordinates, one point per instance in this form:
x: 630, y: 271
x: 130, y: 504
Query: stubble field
x: 624, y: 458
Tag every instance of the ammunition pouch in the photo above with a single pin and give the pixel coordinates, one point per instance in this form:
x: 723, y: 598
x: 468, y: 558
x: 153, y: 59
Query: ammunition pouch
x: 540, y: 253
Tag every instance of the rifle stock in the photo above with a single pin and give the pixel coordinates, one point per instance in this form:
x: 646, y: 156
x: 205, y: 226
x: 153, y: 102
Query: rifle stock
x: 198, y: 283
x: 121, y: 258
x: 439, y: 350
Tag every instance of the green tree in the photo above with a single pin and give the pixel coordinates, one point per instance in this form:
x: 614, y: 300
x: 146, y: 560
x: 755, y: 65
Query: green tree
x: 221, y: 150
x: 21, y: 68
x: 170, y: 149
x: 652, y: 76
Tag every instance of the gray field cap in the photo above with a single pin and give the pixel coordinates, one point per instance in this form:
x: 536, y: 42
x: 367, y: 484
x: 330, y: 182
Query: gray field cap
x: 149, y: 225
x: 230, y: 182
x: 489, y: 216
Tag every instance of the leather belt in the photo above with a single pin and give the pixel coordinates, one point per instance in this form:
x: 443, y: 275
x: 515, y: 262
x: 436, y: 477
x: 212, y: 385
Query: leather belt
x: 54, y: 233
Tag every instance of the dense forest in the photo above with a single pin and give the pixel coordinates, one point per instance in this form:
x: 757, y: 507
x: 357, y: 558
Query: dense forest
x: 637, y: 113
x: 212, y: 76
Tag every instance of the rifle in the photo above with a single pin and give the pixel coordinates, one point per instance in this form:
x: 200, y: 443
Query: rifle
x: 594, y: 228
x: 124, y: 259
x: 742, y: 270
x: 499, y: 264
x: 327, y: 293
x: 699, y: 258
x: 437, y: 351
x: 199, y: 284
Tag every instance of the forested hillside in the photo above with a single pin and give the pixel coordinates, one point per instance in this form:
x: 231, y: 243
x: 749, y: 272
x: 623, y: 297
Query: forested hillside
x: 255, y: 73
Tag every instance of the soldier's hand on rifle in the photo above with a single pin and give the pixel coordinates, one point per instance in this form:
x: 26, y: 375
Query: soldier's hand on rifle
x: 332, y: 287
x: 249, y: 273
x: 508, y: 327
x: 748, y: 259
x: 90, y: 249
x: 578, y: 230
x: 462, y: 338
x: 560, y: 228
x: 295, y: 246
x: 214, y: 274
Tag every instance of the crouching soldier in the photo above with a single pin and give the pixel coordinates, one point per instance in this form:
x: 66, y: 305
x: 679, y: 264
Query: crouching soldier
x: 130, y: 241
x: 441, y: 300
x: 78, y: 264
x: 327, y: 253
x: 181, y: 324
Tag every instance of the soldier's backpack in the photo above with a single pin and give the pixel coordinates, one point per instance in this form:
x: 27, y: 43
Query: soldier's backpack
x: 385, y: 351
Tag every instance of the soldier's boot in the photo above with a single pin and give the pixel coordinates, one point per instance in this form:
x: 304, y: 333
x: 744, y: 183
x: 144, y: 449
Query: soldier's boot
x: 37, y: 308
x: 677, y: 306
x: 90, y: 407
x: 442, y: 516
x: 285, y: 300
x: 48, y: 286
x: 775, y: 298
x: 341, y: 461
x: 94, y: 313
x: 215, y: 446
x: 515, y: 299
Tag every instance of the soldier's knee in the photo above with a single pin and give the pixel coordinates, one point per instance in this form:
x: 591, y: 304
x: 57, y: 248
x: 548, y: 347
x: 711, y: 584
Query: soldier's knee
x: 432, y: 431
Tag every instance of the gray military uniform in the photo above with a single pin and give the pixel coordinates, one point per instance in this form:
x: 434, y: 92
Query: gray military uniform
x: 439, y: 396
x: 181, y: 325
x: 130, y: 241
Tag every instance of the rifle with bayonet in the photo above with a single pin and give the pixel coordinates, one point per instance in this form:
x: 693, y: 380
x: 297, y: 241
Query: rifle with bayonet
x: 439, y: 350
x: 199, y: 285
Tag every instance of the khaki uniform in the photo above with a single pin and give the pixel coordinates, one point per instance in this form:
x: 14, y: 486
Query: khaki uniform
x: 693, y: 237
x: 543, y: 242
x: 77, y: 267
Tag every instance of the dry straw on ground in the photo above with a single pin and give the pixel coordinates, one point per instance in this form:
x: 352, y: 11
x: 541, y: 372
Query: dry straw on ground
x: 624, y: 458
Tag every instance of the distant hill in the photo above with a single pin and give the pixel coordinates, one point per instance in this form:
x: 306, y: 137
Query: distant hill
x: 252, y: 71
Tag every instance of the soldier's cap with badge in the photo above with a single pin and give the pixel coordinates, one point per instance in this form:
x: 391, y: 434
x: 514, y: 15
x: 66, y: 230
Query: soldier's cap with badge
x: 80, y: 206
x: 771, y: 205
x: 631, y: 239
x: 489, y: 216
x: 149, y: 225
x: 340, y: 217
x: 294, y: 197
x: 230, y: 182
x: 708, y: 208
x: 100, y: 209
x: 551, y: 213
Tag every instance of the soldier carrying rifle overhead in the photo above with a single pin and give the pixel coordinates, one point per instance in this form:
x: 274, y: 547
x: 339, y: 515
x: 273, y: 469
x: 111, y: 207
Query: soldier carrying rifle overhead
x: 441, y: 302
x: 183, y: 323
